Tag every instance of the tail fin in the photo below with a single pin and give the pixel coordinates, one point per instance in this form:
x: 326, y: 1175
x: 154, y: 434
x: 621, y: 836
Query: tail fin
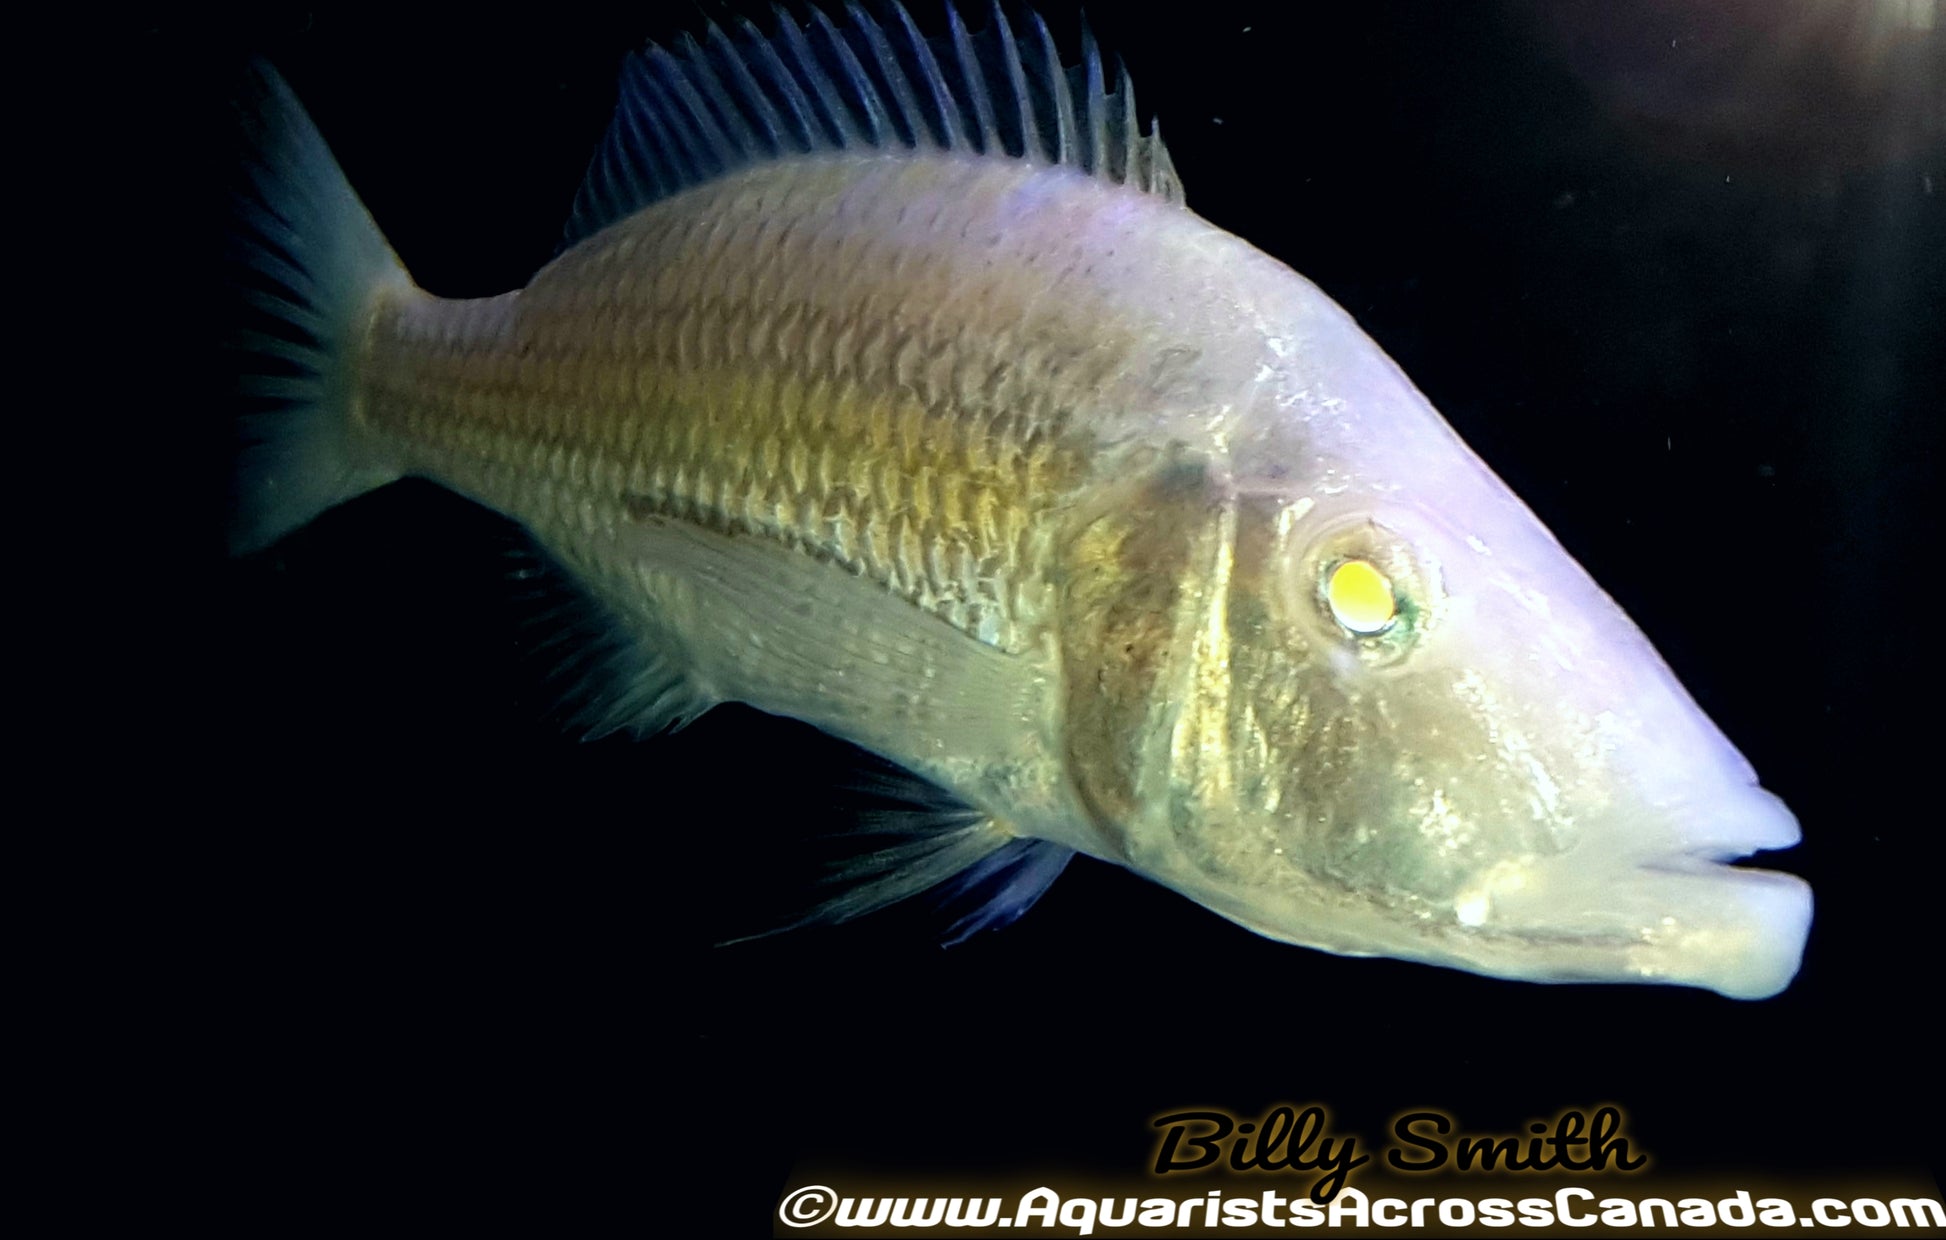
x: 306, y: 263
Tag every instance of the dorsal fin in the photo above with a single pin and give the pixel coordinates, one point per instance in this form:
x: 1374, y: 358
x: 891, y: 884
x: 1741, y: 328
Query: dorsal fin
x: 700, y: 110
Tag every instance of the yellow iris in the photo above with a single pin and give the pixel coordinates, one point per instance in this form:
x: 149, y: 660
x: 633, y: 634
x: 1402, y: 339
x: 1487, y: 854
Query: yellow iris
x: 1361, y: 598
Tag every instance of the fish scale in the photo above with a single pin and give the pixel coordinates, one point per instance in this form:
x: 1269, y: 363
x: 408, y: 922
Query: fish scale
x: 731, y: 390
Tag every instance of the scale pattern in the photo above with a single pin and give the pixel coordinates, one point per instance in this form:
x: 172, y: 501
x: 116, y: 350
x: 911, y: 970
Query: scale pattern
x: 811, y: 352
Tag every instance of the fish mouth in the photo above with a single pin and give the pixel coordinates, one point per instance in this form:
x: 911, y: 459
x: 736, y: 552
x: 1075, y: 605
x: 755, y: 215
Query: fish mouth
x: 1638, y: 901
x: 1670, y: 906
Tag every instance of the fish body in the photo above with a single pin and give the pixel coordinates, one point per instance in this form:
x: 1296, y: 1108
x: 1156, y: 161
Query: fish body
x: 972, y: 445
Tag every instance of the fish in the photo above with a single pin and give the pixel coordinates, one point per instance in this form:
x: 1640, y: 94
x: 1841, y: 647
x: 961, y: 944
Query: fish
x: 885, y: 381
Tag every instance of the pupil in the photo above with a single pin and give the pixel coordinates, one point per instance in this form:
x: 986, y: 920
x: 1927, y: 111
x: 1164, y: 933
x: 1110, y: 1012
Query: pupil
x: 1361, y: 598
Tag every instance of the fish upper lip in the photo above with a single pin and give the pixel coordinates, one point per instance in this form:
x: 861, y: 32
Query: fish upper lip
x: 1724, y: 828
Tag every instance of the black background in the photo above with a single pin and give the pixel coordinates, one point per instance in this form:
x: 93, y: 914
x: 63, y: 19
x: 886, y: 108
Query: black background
x: 1673, y: 269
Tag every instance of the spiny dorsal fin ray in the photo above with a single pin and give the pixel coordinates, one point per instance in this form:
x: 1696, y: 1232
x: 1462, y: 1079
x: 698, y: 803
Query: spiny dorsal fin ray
x: 699, y: 110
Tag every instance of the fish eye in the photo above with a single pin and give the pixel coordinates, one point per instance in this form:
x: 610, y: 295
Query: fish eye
x: 1369, y: 587
x: 1360, y: 597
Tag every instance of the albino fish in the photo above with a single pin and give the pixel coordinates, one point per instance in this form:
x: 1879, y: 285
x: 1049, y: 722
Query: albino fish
x: 885, y: 382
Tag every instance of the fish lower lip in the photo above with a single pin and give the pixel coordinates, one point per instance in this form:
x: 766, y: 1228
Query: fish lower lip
x: 1739, y: 931
x: 1681, y: 917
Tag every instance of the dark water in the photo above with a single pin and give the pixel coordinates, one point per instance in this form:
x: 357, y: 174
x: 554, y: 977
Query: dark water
x: 1677, y: 271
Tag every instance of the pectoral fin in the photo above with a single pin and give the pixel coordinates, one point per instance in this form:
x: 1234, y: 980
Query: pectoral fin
x: 798, y: 636
x: 908, y: 705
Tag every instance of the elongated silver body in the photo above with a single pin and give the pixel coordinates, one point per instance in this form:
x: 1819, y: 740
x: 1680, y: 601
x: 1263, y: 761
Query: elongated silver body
x: 1016, y: 472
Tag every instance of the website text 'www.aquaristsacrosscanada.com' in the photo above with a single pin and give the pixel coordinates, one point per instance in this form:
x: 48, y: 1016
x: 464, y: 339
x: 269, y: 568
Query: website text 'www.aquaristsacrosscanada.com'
x: 1045, y: 1210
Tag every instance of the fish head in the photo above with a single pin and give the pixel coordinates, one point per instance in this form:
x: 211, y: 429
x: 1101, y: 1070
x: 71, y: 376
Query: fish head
x: 1397, y: 718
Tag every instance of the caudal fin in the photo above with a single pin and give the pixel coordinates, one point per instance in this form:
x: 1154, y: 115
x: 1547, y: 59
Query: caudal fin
x: 307, y: 265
